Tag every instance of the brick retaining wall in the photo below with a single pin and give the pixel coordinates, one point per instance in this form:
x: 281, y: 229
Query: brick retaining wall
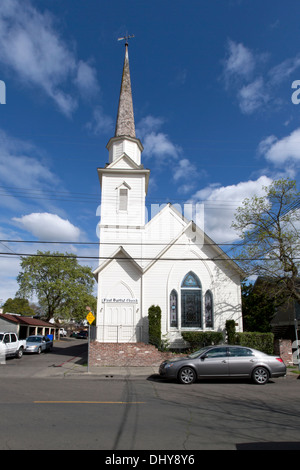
x: 141, y: 354
x: 125, y: 354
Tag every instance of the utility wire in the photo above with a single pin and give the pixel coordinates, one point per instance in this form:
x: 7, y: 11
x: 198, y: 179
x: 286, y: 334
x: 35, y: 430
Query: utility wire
x: 53, y: 255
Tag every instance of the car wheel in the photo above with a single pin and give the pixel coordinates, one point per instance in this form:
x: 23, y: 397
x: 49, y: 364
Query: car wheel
x: 260, y: 375
x: 187, y: 375
x: 19, y: 353
x: 39, y: 350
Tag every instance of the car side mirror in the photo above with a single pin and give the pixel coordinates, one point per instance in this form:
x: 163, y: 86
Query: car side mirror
x: 203, y: 357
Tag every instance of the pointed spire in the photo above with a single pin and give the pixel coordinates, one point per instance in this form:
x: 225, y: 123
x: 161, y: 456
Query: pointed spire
x: 125, y: 119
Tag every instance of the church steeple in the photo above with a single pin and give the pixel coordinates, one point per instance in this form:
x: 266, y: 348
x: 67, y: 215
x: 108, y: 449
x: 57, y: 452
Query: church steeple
x: 124, y: 140
x: 125, y: 119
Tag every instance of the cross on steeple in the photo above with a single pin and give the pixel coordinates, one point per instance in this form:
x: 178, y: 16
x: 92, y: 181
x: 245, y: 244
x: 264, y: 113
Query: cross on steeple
x: 126, y: 37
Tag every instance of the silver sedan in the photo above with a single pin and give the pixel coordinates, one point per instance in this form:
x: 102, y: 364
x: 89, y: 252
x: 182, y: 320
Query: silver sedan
x: 224, y: 361
x: 38, y: 343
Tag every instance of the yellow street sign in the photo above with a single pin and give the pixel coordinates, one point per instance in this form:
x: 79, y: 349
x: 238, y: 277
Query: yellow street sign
x: 90, y: 318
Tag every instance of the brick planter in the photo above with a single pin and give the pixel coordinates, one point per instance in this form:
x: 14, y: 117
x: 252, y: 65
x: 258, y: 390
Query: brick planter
x: 283, y: 347
x: 125, y: 354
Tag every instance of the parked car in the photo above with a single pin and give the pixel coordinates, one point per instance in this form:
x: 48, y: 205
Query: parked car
x: 224, y: 361
x: 62, y: 332
x: 11, y: 346
x: 82, y: 335
x: 38, y: 343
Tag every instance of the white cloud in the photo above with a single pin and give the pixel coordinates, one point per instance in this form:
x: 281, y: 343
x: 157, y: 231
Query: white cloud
x: 184, y: 170
x: 186, y: 175
x: 240, y: 61
x: 100, y: 123
x: 156, y: 144
x: 86, y: 79
x: 48, y: 227
x: 239, y: 67
x: 283, y: 150
x: 24, y: 173
x: 33, y: 50
x: 149, y: 124
x: 284, y: 70
x: 247, y: 75
x: 252, y: 96
x: 220, y: 204
x: 159, y: 145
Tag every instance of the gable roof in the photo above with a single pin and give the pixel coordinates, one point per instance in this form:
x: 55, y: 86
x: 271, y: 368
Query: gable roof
x: 131, y: 164
x: 133, y: 168
x: 22, y: 320
x: 187, y: 224
x: 118, y: 252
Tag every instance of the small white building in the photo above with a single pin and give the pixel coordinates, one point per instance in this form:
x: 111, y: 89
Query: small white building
x: 167, y: 261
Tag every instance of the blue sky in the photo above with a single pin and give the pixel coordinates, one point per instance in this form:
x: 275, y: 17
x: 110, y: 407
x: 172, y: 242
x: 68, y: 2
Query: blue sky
x: 212, y: 92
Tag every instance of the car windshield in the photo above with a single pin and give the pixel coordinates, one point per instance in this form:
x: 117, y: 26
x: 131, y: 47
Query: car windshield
x: 197, y: 353
x: 34, y: 339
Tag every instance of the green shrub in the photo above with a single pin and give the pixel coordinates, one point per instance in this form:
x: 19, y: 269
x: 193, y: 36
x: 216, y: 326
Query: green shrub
x: 199, y: 339
x: 154, y: 318
x: 230, y: 331
x: 262, y: 341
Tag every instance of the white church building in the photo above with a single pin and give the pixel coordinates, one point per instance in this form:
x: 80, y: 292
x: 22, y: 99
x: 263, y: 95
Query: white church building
x: 166, y: 261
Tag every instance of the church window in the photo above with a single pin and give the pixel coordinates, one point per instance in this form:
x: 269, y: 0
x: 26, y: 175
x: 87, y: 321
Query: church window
x: 173, y: 309
x: 123, y: 199
x: 209, y: 321
x: 191, y: 302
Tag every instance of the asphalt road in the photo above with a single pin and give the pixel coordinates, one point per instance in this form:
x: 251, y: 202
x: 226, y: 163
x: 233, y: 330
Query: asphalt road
x: 142, y: 413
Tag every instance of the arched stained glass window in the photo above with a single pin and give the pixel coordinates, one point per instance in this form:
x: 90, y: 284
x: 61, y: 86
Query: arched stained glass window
x: 191, y: 302
x: 209, y: 317
x: 191, y: 280
x: 173, y: 309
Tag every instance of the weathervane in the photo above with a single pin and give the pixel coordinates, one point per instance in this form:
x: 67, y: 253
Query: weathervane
x: 126, y: 38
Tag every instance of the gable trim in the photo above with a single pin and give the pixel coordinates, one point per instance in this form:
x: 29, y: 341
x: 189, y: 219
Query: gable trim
x: 112, y: 258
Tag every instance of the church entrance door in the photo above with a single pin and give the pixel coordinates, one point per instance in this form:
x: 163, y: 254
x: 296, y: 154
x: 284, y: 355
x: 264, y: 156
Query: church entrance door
x: 119, y: 323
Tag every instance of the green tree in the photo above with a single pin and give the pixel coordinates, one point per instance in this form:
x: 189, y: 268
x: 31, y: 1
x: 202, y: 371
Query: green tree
x: 62, y: 286
x: 17, y: 305
x: 269, y: 229
x: 258, y: 309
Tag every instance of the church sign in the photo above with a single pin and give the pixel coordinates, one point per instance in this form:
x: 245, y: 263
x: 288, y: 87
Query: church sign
x: 119, y: 300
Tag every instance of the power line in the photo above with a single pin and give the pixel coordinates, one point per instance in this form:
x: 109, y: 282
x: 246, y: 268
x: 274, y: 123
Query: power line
x: 107, y: 243
x: 53, y: 255
x: 124, y: 243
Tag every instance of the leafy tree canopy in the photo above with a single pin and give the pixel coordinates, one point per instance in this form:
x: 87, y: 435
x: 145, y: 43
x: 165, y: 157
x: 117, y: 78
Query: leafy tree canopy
x: 62, y: 286
x: 269, y: 228
x: 17, y: 305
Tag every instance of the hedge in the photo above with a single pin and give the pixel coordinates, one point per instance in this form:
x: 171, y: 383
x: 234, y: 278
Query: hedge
x: 199, y: 339
x: 262, y: 341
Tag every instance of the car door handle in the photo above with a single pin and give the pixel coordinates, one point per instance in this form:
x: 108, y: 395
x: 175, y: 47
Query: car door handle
x: 225, y: 361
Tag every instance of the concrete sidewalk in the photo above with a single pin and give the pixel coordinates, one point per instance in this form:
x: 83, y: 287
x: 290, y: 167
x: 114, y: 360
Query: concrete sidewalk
x: 70, y: 369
